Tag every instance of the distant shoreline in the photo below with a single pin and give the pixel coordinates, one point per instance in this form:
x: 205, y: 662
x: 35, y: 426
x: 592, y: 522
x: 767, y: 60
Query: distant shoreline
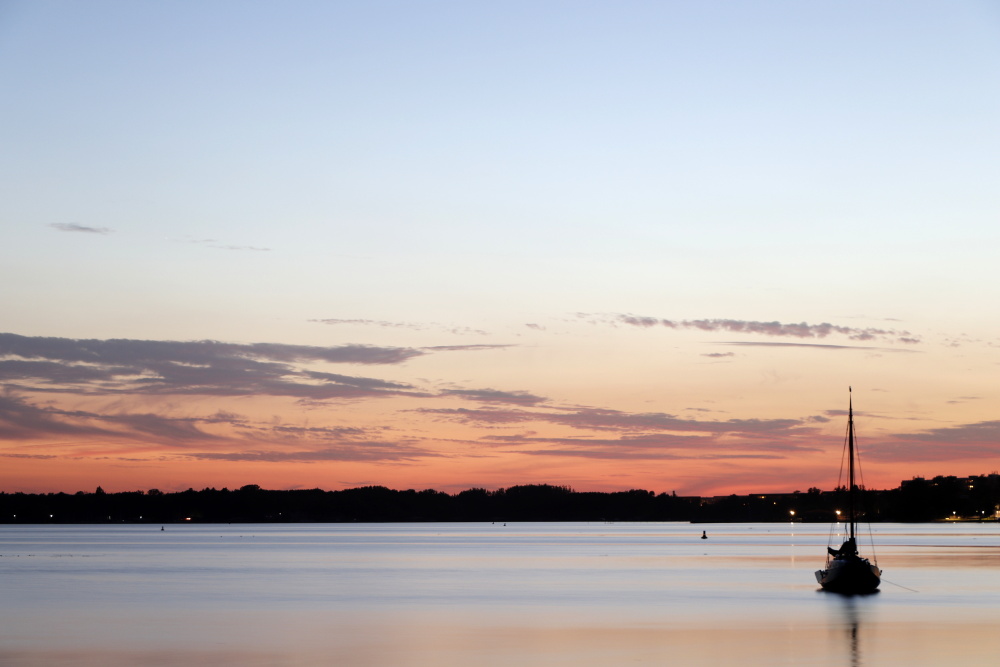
x: 941, y: 499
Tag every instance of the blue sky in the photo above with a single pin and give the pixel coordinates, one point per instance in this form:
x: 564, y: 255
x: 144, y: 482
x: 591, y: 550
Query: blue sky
x: 519, y: 176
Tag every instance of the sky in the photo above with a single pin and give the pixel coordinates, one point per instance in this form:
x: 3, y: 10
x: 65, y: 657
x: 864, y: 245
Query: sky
x: 448, y: 245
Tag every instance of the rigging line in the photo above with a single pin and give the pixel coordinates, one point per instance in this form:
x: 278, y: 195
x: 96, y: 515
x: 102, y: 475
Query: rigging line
x: 834, y: 531
x: 906, y: 588
x: 861, y: 474
x: 835, y: 528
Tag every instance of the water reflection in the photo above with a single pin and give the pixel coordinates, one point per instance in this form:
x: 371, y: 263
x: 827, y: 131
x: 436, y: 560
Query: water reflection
x: 453, y: 594
x: 850, y: 612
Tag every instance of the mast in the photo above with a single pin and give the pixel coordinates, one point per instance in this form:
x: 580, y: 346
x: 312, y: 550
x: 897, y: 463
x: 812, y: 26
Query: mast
x: 850, y: 457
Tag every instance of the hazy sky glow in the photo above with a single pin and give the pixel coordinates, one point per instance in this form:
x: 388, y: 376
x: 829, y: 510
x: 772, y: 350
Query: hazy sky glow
x: 456, y: 244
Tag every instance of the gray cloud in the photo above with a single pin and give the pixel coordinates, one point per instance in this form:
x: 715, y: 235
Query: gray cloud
x: 164, y: 429
x: 656, y: 421
x: 23, y: 422
x: 361, y: 383
x: 654, y: 446
x: 355, y: 451
x: 826, y: 346
x: 192, y: 368
x: 642, y: 435
x: 611, y: 420
x: 20, y: 421
x: 469, y: 416
x: 29, y: 456
x: 777, y: 329
x: 465, y: 348
x: 134, y: 368
x: 976, y: 433
x: 495, y: 396
x: 218, y: 245
x: 979, y: 440
x: 458, y: 331
x: 127, y: 351
x: 616, y: 453
x: 372, y: 323
x: 74, y: 227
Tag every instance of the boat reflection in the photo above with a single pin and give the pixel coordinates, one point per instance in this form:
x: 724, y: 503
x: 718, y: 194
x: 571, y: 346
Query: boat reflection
x: 851, y: 611
x: 851, y: 614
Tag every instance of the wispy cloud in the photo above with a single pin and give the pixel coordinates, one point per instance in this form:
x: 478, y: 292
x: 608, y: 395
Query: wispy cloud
x: 20, y: 421
x: 978, y: 440
x: 74, y: 227
x: 333, y: 321
x: 658, y: 446
x: 776, y: 329
x: 252, y: 248
x: 207, y: 368
x: 219, y: 245
x: 495, y: 396
x: 23, y: 421
x: 827, y: 346
x: 129, y: 371
x: 457, y: 330
x: 638, y: 435
x: 465, y: 348
x: 355, y: 451
x: 125, y: 436
x: 596, y: 419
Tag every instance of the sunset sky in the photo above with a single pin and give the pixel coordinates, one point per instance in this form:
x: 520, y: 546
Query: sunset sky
x: 606, y: 245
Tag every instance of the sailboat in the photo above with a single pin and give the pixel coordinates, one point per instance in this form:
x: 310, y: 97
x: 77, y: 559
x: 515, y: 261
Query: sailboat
x: 846, y: 571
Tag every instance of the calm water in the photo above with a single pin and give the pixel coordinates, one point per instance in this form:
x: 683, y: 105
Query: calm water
x: 483, y: 594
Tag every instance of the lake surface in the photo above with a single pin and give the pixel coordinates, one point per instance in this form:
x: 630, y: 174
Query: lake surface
x: 581, y: 594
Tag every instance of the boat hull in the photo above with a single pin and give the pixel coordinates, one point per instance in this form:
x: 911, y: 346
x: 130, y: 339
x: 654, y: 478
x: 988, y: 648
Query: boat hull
x: 849, y: 575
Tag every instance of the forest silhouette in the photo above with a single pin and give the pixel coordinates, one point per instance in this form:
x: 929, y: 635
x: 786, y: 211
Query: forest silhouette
x: 940, y: 498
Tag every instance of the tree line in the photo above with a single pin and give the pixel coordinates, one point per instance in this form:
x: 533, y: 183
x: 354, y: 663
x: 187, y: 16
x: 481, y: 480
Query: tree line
x: 919, y: 499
